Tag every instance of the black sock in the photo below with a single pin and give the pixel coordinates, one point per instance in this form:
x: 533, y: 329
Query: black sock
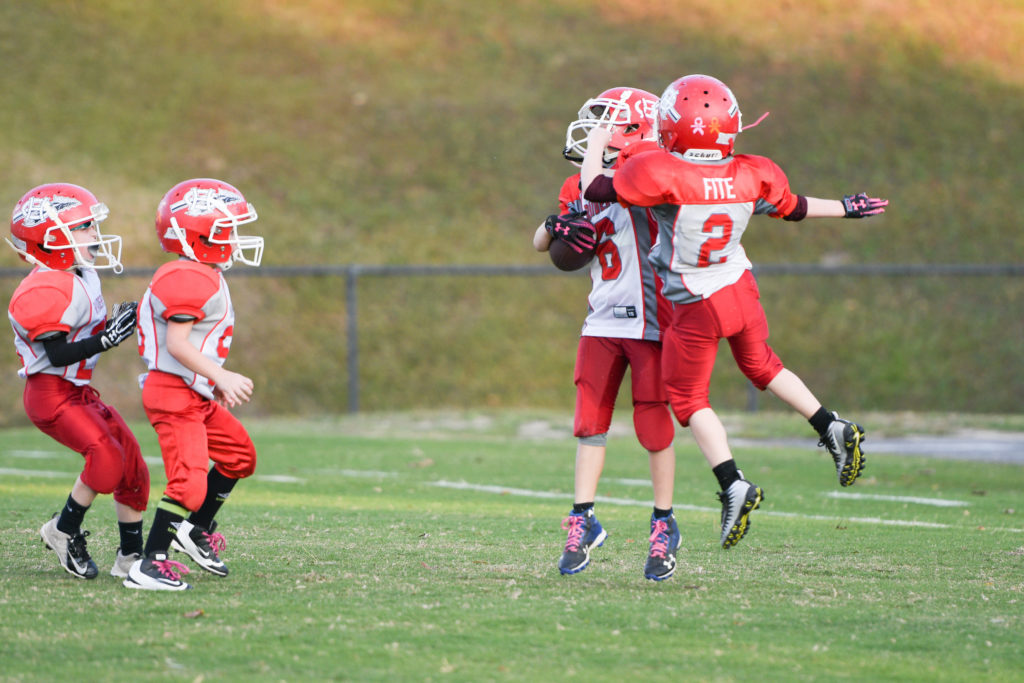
x: 169, y: 514
x: 821, y: 420
x: 70, y: 520
x: 726, y: 473
x: 662, y: 514
x: 131, y: 537
x: 218, y: 488
x: 580, y: 508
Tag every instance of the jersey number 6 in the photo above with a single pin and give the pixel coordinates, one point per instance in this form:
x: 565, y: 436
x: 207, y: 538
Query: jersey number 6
x: 607, y: 253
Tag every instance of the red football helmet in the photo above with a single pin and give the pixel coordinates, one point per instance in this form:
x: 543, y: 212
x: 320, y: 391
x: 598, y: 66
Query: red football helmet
x: 44, y: 219
x: 698, y: 117
x: 199, y: 219
x: 629, y: 112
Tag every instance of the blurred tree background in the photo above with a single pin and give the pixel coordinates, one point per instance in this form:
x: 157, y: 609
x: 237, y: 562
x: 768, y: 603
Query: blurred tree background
x: 415, y: 132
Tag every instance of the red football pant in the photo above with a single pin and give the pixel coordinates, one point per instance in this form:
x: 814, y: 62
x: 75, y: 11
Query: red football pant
x: 600, y: 366
x: 76, y: 417
x: 690, y: 344
x: 192, y: 431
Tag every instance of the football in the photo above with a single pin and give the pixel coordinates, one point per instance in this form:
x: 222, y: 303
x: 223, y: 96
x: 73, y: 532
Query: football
x: 565, y: 257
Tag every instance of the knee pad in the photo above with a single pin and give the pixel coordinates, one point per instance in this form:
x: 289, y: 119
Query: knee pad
x: 240, y: 464
x: 595, y: 440
x: 653, y: 425
x: 104, y: 465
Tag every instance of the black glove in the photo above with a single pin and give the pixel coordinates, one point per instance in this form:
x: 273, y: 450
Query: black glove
x: 574, y: 229
x: 861, y: 205
x: 120, y: 324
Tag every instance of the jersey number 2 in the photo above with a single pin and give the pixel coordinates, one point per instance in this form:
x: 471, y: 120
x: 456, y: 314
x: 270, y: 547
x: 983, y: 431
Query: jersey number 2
x: 721, y: 224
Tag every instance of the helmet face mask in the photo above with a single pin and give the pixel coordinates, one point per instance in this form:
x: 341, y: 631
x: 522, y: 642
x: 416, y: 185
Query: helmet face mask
x: 628, y: 112
x: 199, y: 219
x: 699, y: 118
x: 49, y: 225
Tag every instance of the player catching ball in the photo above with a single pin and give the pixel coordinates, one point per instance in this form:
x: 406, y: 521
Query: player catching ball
x: 186, y: 322
x: 703, y: 196
x: 622, y: 330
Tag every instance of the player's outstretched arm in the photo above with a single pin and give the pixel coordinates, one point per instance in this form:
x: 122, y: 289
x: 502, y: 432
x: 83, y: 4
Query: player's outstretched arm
x: 850, y: 206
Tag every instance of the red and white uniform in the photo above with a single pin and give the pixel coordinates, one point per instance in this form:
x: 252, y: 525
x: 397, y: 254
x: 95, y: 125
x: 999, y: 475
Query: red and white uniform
x: 623, y: 299
x: 702, y: 210
x: 60, y: 400
x: 56, y: 301
x: 622, y: 328
x: 191, y: 289
x: 192, y: 429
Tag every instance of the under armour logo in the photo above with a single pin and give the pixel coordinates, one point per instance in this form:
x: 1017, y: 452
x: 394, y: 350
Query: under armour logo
x: 697, y: 128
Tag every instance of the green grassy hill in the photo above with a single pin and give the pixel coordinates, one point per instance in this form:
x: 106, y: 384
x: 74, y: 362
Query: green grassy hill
x: 398, y: 132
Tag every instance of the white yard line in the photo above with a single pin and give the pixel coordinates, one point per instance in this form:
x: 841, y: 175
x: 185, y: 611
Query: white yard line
x: 36, y: 455
x: 628, y: 502
x: 505, y: 490
x: 937, y: 502
x: 37, y: 473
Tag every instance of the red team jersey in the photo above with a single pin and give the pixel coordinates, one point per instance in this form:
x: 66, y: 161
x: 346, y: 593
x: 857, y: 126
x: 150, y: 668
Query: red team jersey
x: 56, y: 301
x: 186, y: 288
x: 702, y: 210
x: 623, y: 300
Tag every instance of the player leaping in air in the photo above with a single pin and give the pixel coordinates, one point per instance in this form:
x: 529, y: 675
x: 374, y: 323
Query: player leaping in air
x: 703, y: 197
x: 186, y: 322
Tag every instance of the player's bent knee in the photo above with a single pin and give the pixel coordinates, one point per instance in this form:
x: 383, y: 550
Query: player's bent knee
x: 240, y: 467
x: 104, y: 468
x: 684, y: 411
x: 653, y: 424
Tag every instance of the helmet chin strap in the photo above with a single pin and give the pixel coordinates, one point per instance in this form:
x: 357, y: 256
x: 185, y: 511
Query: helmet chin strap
x: 27, y: 256
x: 180, y: 234
x: 763, y: 117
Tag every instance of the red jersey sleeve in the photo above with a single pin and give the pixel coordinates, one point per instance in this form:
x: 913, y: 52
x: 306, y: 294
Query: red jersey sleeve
x: 184, y: 287
x: 636, y: 148
x: 639, y: 182
x: 569, y: 193
x: 778, y: 199
x: 39, y: 302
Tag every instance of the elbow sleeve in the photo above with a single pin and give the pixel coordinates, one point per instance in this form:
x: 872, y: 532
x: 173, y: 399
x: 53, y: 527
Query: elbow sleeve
x: 799, y: 212
x: 62, y: 353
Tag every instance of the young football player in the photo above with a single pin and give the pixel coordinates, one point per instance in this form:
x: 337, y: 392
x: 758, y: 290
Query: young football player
x: 702, y: 196
x: 621, y: 330
x: 186, y: 322
x: 60, y: 328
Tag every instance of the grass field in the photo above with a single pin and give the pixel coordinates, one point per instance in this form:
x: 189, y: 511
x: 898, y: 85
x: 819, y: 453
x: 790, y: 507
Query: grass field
x: 424, y: 548
x: 398, y: 132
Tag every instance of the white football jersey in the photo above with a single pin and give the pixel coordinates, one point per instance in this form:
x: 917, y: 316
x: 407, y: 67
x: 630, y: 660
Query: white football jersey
x: 623, y: 300
x: 186, y: 288
x: 56, y: 301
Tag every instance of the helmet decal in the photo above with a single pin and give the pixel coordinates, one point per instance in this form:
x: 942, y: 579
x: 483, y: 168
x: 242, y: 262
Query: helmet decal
x: 199, y: 219
x: 199, y: 201
x: 37, y: 209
